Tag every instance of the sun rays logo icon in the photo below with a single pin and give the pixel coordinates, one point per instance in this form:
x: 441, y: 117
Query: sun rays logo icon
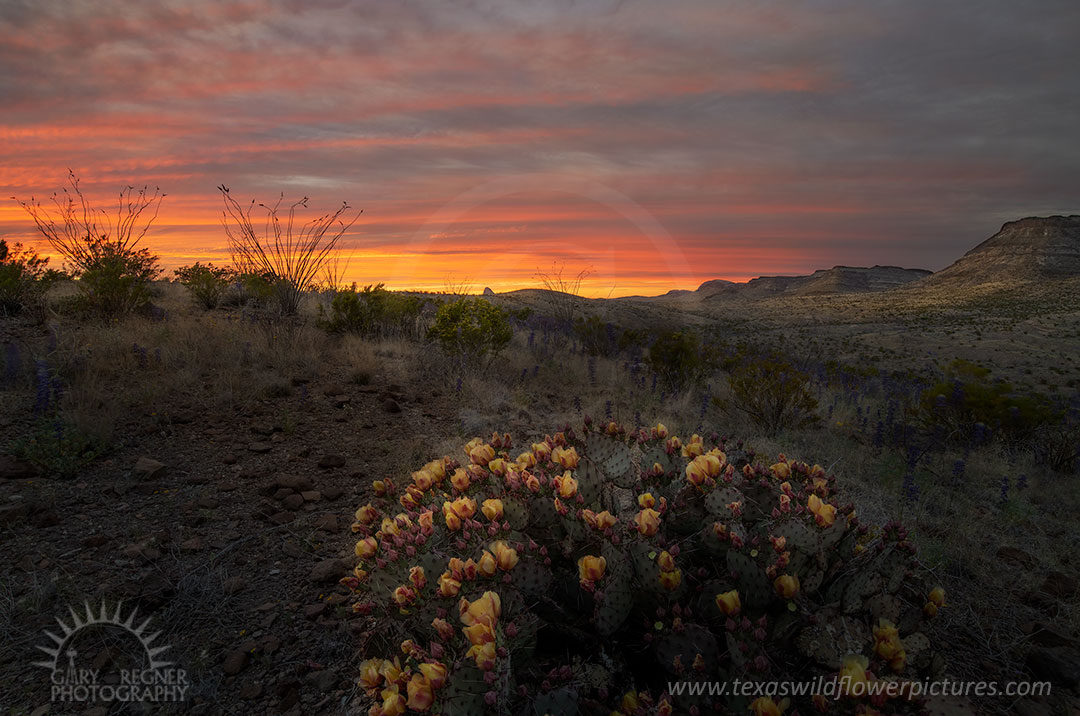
x: 156, y: 679
x: 68, y: 632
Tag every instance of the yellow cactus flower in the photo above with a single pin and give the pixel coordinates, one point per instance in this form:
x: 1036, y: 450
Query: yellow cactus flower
x: 526, y: 460
x: 426, y: 520
x: 630, y: 702
x: 599, y: 521
x: 448, y: 586
x: 497, y: 466
x: 787, y: 585
x: 391, y: 670
x: 824, y: 513
x: 393, y: 702
x: 542, y: 451
x: 853, y: 677
x: 781, y: 471
x: 421, y: 694
x: 661, y: 431
x: 484, y: 610
x: 479, y: 633
x: 671, y: 580
x: 417, y: 577
x: 378, y: 487
x: 665, y: 561
x: 566, y: 457
x: 693, y: 448
x: 446, y: 632
x: 937, y: 596
x: 492, y: 509
x: 888, y: 646
x: 532, y: 483
x: 482, y: 454
x: 423, y: 479
x: 487, y: 565
x: 460, y: 480
x: 729, y: 602
x: 591, y: 569
x: 366, y: 547
x: 371, y: 675
x: 367, y: 514
x: 506, y: 557
x: 648, y: 522
x: 765, y: 706
x: 435, y: 674
x: 484, y: 655
x: 404, y: 596
x: 646, y: 501
x: 566, y: 485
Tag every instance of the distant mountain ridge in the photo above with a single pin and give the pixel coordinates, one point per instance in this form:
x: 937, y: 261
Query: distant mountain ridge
x: 1029, y: 249
x: 838, y: 279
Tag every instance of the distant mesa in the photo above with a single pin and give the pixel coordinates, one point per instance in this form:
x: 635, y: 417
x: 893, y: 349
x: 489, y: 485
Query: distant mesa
x: 488, y: 291
x: 838, y: 279
x: 1031, y: 249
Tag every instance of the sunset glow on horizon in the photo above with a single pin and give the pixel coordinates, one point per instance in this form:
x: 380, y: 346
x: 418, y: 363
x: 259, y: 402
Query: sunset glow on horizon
x: 656, y: 145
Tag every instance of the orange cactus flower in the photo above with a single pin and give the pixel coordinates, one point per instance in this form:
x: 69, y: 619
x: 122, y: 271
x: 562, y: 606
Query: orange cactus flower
x: 460, y: 480
x: 448, y: 586
x: 661, y: 431
x: 888, y: 646
x: 542, y: 451
x: 853, y: 676
x: 671, y: 580
x: 421, y: 694
x: 765, y: 706
x: 646, y: 501
x: 497, y: 466
x: 367, y: 514
x: 394, y: 703
x: 371, y: 675
x: 824, y: 513
x: 446, y: 632
x: 416, y: 576
x: 484, y: 655
x: 526, y: 459
x: 487, y: 565
x: 492, y: 509
x: 781, y: 471
x: 434, y: 673
x: 665, y: 561
x: 479, y: 633
x: 484, y: 610
x: 404, y: 596
x: 566, y: 457
x: 566, y: 485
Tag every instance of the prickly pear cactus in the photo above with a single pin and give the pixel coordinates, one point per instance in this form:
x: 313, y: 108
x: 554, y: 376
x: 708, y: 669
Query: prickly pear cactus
x: 587, y: 569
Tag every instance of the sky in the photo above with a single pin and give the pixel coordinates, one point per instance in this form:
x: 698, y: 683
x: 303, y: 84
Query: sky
x: 654, y: 144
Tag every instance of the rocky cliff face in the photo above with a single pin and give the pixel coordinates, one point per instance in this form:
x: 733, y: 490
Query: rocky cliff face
x: 1026, y: 250
x: 838, y: 279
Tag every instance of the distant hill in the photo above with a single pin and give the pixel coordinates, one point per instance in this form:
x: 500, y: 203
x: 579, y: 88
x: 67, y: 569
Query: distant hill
x: 838, y: 279
x: 1026, y: 250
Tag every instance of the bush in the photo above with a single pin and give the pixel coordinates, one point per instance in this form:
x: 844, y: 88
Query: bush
x: 472, y: 330
x: 771, y: 392
x: 24, y: 281
x: 970, y: 407
x: 373, y: 311
x: 680, y: 359
x: 586, y: 573
x: 207, y: 283
x: 113, y: 274
x: 598, y: 337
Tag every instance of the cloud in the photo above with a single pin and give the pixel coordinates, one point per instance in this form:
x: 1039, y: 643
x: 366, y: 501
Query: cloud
x: 761, y: 136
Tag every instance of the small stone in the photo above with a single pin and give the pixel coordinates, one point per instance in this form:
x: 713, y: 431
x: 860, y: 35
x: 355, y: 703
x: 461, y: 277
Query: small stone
x: 281, y: 518
x: 324, y: 680
x: 270, y: 644
x: 250, y: 690
x: 329, y: 462
x: 235, y: 661
x: 94, y: 541
x: 332, y: 492
x: 207, y: 503
x: 293, y: 502
x: 1016, y: 556
x: 292, y: 550
x: 329, y: 570
x: 391, y: 406
x: 141, y: 552
x: 228, y: 459
x: 232, y: 585
x: 327, y: 523
x: 282, y: 493
x: 12, y: 468
x: 259, y: 447
x: 311, y: 495
x: 191, y: 545
x: 148, y: 468
x: 296, y: 483
x: 332, y: 390
x: 314, y: 611
x: 1059, y: 584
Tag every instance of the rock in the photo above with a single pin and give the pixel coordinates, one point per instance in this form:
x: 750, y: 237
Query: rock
x: 232, y: 585
x: 323, y: 680
x: 332, y: 493
x: 311, y: 495
x: 235, y: 661
x: 207, y: 503
x: 1060, y: 585
x: 250, y: 690
x: 94, y: 541
x: 148, y: 468
x: 228, y: 459
x: 296, y: 483
x: 141, y: 552
x: 391, y: 406
x: 292, y: 550
x: 314, y: 611
x: 327, y: 523
x: 329, y: 462
x: 1016, y: 556
x: 12, y: 468
x: 293, y: 502
x: 488, y: 291
x: 260, y: 447
x: 1043, y: 634
x: 329, y: 570
x: 282, y: 493
x: 41, y: 710
x: 281, y: 518
x: 270, y: 644
x: 1058, y: 665
x: 191, y: 545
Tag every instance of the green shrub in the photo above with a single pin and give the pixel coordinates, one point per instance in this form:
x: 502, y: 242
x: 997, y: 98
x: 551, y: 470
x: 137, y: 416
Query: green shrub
x: 57, y: 448
x: 589, y: 571
x: 970, y: 406
x: 472, y: 330
x: 372, y: 311
x: 680, y: 359
x: 115, y: 280
x: 24, y: 281
x: 771, y: 392
x: 206, y: 283
x: 598, y: 337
